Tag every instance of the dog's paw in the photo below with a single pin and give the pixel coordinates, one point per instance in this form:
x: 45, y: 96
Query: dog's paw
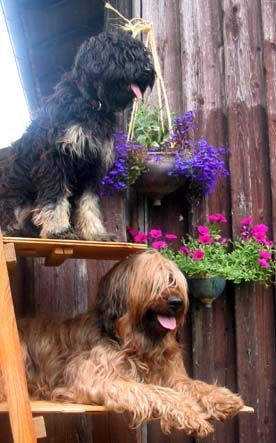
x: 68, y: 234
x: 106, y: 236
x: 221, y: 404
x: 191, y: 423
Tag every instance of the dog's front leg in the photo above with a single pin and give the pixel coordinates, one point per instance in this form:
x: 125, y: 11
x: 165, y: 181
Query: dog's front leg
x: 218, y: 402
x: 94, y: 378
x: 51, y: 213
x: 88, y: 221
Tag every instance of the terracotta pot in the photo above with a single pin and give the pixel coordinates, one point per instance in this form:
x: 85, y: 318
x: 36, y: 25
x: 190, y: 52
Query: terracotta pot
x: 156, y: 182
x: 206, y: 289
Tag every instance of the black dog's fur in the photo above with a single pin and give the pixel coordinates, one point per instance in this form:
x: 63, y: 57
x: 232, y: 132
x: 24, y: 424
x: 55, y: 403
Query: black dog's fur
x: 49, y: 188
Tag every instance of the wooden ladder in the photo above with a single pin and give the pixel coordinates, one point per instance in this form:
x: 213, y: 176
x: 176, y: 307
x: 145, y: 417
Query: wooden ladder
x: 11, y: 362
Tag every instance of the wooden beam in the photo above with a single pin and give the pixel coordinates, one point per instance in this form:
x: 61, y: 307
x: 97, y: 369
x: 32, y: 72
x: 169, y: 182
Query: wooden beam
x: 39, y: 425
x: 12, y: 364
x: 58, y: 255
x: 50, y: 407
x: 10, y: 256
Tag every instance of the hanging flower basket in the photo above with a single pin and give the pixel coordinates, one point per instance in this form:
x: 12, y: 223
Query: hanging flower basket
x: 158, y: 181
x: 207, y: 290
x: 160, y: 153
x: 209, y: 258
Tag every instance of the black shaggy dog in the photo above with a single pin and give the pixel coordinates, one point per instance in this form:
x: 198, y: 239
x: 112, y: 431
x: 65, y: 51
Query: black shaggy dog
x: 49, y: 188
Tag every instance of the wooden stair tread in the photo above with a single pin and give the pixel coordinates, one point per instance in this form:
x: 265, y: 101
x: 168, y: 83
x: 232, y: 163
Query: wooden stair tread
x: 48, y: 407
x: 57, y: 251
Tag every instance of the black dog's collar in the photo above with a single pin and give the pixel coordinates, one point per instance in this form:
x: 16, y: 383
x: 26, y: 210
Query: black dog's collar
x: 96, y: 105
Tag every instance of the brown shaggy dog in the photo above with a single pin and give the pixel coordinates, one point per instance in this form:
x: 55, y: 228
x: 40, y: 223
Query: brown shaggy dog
x: 125, y: 355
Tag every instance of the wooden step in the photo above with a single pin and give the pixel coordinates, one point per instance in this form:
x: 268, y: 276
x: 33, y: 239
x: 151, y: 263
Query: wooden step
x: 48, y: 407
x: 57, y: 251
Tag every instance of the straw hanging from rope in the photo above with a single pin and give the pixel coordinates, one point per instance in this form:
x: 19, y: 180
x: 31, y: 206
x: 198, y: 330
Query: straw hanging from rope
x: 138, y: 26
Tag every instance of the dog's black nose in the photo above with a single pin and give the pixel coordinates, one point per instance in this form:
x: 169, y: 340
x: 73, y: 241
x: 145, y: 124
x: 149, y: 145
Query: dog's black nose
x: 174, y: 302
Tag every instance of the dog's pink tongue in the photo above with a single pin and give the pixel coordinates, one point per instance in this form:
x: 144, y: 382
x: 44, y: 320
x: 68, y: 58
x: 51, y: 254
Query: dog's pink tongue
x: 136, y: 90
x: 167, y: 322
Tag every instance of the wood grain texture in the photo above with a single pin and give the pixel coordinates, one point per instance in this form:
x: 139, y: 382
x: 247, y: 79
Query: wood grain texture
x: 250, y: 190
x: 11, y: 363
x: 203, y: 91
x: 48, y: 407
x: 268, y: 9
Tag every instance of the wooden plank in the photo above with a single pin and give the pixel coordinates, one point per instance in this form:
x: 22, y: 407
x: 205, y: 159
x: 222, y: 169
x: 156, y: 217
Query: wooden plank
x: 164, y: 15
x: 269, y: 48
x: 250, y: 187
x: 268, y: 10
x: 40, y: 429
x: 11, y: 363
x: 38, y: 247
x: 10, y: 256
x: 47, y: 407
x: 203, y: 90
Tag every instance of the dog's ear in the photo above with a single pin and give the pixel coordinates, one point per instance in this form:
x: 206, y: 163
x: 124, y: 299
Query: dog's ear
x: 91, y: 61
x: 111, y: 300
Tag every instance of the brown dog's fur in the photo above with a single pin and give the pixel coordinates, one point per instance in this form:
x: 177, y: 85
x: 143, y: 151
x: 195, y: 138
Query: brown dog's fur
x: 121, y: 356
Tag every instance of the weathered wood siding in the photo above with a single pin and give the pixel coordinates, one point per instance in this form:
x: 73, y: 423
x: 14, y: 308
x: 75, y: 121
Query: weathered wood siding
x: 222, y: 62
x: 218, y: 57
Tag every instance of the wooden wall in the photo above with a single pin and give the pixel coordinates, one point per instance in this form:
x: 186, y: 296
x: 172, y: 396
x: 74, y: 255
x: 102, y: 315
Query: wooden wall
x: 218, y: 57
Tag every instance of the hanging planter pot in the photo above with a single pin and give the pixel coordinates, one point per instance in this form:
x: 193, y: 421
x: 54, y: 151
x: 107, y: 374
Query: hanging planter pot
x: 206, y: 289
x: 157, y: 181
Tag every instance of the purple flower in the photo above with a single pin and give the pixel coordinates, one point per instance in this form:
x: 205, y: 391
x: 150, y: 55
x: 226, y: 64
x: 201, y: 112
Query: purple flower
x: 263, y: 263
x: 155, y: 233
x: 198, y: 254
x: 159, y: 244
x: 203, y: 230
x: 184, y: 250
x: 224, y: 240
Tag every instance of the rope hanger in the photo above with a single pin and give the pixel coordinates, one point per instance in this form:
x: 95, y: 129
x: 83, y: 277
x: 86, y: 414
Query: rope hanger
x: 138, y: 26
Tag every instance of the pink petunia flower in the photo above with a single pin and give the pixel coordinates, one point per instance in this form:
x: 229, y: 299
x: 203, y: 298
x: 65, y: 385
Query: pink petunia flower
x: 224, y: 240
x: 155, y: 233
x: 184, y: 250
x: 170, y: 236
x: 263, y: 263
x: 198, y: 254
x: 205, y: 239
x: 259, y: 228
x: 203, y: 230
x: 269, y: 243
x: 212, y: 218
x: 159, y: 244
x: 259, y: 236
x: 132, y: 232
x: 265, y: 254
x: 217, y: 218
x: 141, y: 238
x: 221, y: 218
x: 246, y: 221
